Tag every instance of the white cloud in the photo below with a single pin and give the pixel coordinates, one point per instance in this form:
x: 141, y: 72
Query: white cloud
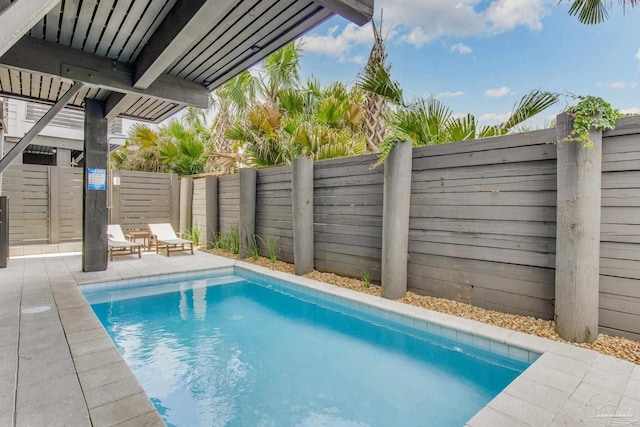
x: 632, y: 110
x: 358, y: 59
x: 450, y: 94
x: 337, y: 44
x: 417, y: 36
x: 638, y: 55
x: 505, y: 15
x: 498, y: 92
x: 461, y: 48
x: 420, y: 21
x: 494, y: 118
x: 614, y: 85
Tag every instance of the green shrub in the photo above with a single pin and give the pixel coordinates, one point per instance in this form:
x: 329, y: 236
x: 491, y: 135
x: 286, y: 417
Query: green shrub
x: 253, y: 248
x: 271, y: 243
x: 194, y: 235
x: 366, y: 277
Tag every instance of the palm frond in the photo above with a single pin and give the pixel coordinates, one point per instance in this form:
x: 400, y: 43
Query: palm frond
x: 292, y: 100
x: 531, y: 104
x: 143, y: 135
x: 239, y: 92
x: 589, y: 12
x: 282, y: 69
x: 331, y: 111
x: 489, y: 131
x: 592, y: 12
x: 376, y: 79
x: 461, y: 128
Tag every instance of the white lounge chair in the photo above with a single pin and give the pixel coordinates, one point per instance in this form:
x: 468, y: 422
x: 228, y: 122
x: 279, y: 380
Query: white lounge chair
x: 118, y: 244
x: 165, y: 237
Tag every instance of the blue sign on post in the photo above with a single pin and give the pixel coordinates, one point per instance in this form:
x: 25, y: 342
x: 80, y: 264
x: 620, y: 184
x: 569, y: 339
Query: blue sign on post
x: 96, y: 179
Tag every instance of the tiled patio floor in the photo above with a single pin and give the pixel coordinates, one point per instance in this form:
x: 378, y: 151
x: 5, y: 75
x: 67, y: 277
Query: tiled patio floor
x: 58, y: 367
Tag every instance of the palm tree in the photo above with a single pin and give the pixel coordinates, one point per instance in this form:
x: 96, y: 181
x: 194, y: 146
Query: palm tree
x: 260, y: 133
x: 376, y: 105
x: 230, y: 101
x: 596, y: 11
x: 281, y: 70
x: 430, y: 122
x: 139, y: 152
x: 176, y: 146
x: 182, y: 143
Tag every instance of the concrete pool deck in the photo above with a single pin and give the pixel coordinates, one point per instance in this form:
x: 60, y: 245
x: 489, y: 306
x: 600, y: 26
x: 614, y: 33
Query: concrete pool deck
x: 59, y: 366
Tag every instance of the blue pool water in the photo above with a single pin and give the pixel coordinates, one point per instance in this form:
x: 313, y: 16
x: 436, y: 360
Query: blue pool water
x: 226, y: 351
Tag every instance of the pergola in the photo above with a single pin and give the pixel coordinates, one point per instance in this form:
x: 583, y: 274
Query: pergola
x: 141, y: 59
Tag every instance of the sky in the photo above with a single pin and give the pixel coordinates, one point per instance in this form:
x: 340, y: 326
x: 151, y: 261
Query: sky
x: 482, y: 56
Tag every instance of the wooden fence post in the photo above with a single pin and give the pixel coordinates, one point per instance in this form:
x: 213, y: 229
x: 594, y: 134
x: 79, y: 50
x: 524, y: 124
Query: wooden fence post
x: 302, y: 202
x: 186, y: 203
x: 54, y: 204
x: 211, y: 203
x: 175, y: 201
x: 248, y: 179
x: 395, y: 220
x: 577, y: 235
x: 115, y: 214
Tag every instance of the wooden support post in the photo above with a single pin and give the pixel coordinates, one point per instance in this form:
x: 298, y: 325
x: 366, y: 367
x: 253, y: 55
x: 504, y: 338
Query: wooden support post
x: 186, y: 203
x: 94, y: 207
x: 175, y: 201
x: 3, y: 128
x: 395, y: 220
x: 577, y: 235
x: 54, y: 204
x: 211, y: 209
x: 302, y: 202
x: 248, y: 178
x: 4, y: 231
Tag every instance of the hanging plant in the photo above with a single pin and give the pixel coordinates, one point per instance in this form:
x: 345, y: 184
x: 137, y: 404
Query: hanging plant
x: 386, y: 146
x: 591, y: 112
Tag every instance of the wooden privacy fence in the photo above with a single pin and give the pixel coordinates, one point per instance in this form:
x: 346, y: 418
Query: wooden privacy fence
x: 620, y: 230
x: 46, y: 202
x: 482, y: 221
x: 141, y: 198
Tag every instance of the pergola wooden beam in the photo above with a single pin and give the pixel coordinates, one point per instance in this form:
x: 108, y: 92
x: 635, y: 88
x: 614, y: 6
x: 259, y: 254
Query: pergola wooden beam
x: 117, y: 103
x: 38, y: 126
x: 19, y: 17
x: 44, y: 57
x: 357, y: 11
x: 183, y: 26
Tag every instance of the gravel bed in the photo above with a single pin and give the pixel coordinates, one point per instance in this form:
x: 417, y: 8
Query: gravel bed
x: 619, y: 347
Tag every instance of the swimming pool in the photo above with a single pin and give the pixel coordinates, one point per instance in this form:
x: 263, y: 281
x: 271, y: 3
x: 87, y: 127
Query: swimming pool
x: 236, y: 348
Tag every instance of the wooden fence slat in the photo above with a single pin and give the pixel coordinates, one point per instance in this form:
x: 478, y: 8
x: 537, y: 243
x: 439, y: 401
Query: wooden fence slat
x: 488, y: 281
x: 489, y: 213
x: 488, y: 241
x: 498, y: 156
x: 486, y: 198
x: 509, y: 256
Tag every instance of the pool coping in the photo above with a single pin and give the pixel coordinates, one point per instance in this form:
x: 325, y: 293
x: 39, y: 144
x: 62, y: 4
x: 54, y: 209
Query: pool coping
x: 566, y: 385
